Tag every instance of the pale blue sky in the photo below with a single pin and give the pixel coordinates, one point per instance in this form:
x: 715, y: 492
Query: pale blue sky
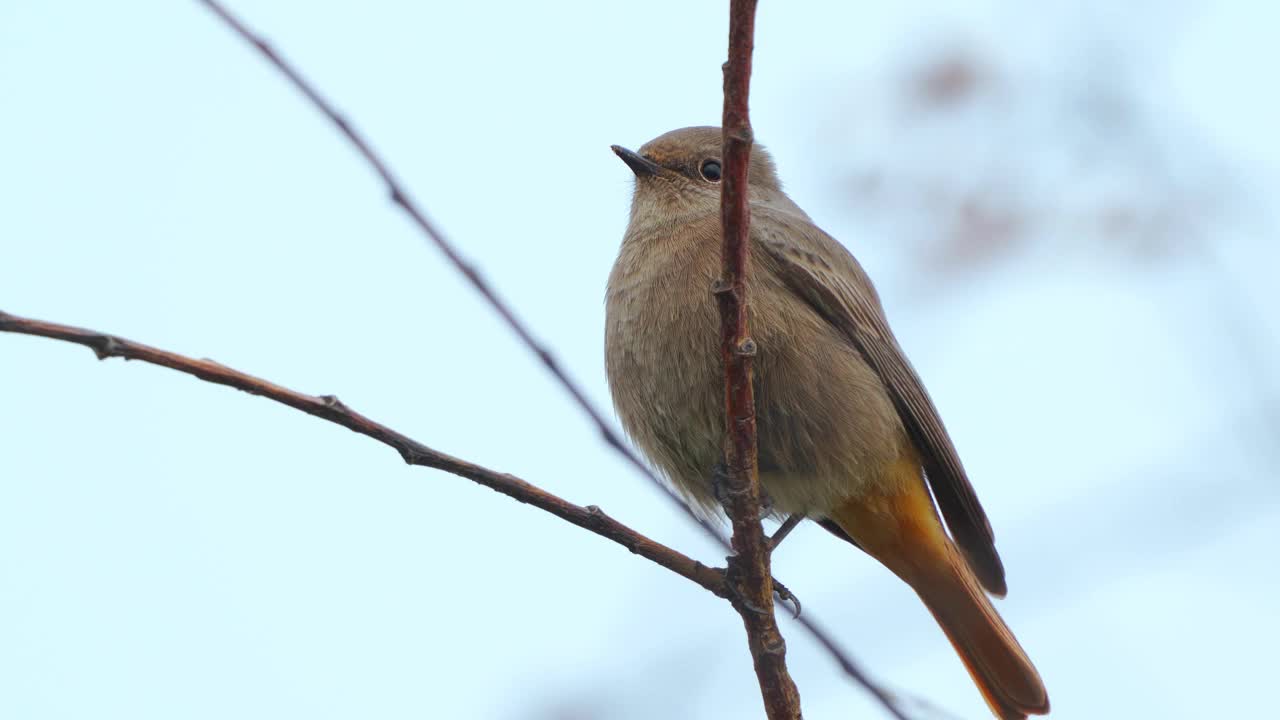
x: 170, y: 548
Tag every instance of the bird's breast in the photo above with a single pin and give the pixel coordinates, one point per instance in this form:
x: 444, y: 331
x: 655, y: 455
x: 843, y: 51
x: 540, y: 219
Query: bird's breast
x: 826, y: 424
x: 663, y: 362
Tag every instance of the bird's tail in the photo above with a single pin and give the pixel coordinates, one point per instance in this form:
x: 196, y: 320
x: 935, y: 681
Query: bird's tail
x: 901, y: 529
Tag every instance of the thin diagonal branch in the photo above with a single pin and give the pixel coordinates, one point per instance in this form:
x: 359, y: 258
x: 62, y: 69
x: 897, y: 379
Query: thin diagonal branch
x: 850, y: 668
x: 328, y: 407
x: 749, y: 567
x: 400, y: 196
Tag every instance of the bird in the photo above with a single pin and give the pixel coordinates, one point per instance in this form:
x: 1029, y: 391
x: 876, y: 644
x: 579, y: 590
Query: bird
x: 848, y: 437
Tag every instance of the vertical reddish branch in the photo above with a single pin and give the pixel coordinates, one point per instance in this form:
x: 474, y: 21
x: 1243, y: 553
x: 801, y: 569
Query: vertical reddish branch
x: 749, y: 567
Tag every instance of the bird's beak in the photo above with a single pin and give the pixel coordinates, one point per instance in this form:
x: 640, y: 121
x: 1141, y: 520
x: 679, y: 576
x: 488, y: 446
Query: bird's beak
x: 639, y: 164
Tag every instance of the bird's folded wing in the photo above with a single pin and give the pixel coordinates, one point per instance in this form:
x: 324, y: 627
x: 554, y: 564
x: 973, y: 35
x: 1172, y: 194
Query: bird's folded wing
x: 823, y: 273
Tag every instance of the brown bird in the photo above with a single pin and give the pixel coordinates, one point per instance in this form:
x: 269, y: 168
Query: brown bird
x: 847, y: 434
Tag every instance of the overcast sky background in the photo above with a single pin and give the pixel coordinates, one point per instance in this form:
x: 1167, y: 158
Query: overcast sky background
x: 170, y: 548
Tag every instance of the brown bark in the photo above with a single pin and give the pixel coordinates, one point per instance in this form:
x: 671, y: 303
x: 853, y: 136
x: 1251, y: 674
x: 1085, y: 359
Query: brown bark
x: 749, y: 574
x: 328, y: 407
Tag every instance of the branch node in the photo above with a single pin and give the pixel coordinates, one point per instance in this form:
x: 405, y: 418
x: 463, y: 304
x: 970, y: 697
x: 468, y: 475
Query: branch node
x: 595, y: 516
x: 746, y: 348
x: 332, y: 402
x: 105, y: 346
x: 775, y: 645
x: 721, y: 286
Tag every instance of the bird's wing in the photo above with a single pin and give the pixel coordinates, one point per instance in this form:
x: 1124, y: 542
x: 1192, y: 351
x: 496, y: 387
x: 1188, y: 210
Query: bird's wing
x: 823, y: 273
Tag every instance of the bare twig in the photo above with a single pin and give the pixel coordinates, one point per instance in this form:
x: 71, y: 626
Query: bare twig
x: 400, y: 196
x: 749, y: 566
x: 328, y: 407
x: 850, y: 668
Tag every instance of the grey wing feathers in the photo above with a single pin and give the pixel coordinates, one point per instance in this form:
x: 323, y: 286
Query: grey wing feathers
x: 822, y: 271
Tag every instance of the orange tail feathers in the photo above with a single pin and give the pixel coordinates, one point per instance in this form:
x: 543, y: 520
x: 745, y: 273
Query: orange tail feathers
x: 901, y: 529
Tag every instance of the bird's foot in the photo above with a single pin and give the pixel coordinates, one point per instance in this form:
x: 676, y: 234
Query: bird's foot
x: 721, y: 491
x: 780, y: 592
x: 784, y: 530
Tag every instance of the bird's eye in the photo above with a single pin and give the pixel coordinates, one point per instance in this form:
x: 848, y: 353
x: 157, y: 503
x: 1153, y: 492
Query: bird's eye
x: 711, y: 170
